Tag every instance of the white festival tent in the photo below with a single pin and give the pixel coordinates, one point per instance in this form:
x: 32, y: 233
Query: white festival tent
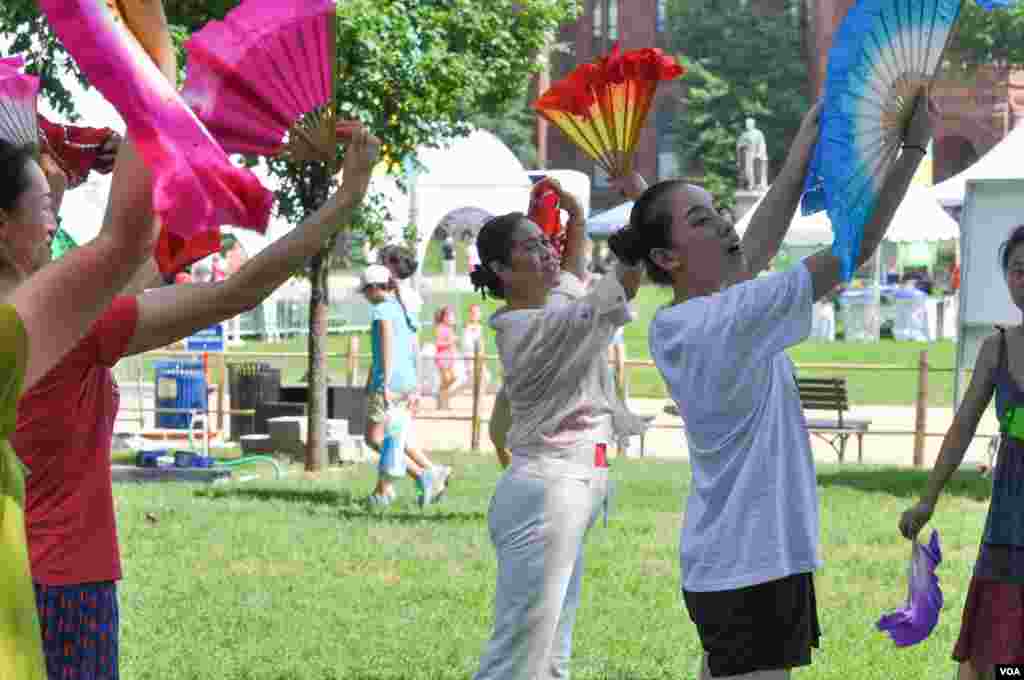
x: 918, y: 219
x: 476, y: 171
x: 1003, y: 161
x: 604, y: 224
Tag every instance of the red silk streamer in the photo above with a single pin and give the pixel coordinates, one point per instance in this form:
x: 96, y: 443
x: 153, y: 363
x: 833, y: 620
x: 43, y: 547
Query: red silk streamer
x: 75, y: 149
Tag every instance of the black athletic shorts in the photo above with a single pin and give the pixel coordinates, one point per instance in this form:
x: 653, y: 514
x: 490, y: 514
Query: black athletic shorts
x: 763, y: 627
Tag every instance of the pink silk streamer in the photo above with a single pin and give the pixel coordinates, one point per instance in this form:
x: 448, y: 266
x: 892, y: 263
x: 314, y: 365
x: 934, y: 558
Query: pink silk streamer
x: 196, y: 188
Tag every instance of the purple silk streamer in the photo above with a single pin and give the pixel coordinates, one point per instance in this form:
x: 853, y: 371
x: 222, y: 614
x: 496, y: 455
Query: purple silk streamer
x: 915, y: 621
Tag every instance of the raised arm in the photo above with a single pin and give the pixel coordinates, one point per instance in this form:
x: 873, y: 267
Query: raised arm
x: 957, y: 439
x: 59, y: 302
x: 574, y: 254
x: 823, y: 265
x: 171, y: 313
x: 771, y: 220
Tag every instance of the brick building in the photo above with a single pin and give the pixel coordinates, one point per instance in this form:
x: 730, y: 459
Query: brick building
x: 976, y: 114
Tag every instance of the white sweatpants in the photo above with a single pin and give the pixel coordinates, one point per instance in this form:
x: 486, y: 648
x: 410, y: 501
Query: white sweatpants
x: 538, y: 521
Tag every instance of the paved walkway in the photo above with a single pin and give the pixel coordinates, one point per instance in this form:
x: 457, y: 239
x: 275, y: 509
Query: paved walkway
x: 452, y: 429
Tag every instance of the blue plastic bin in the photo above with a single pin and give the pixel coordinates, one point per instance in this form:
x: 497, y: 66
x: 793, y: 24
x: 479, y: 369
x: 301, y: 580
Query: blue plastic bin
x: 181, y: 385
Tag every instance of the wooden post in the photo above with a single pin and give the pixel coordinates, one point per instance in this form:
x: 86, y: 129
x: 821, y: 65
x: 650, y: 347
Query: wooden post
x: 222, y: 392
x: 353, y: 359
x: 478, y: 373
x: 141, y: 365
x: 921, y: 426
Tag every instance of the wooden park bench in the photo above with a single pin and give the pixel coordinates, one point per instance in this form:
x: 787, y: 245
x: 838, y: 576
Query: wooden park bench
x: 829, y: 394
x: 826, y: 394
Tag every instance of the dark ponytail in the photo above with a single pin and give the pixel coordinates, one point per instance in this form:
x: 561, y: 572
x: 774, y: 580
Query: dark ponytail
x: 1009, y: 245
x: 650, y: 227
x: 493, y: 243
x: 14, y: 178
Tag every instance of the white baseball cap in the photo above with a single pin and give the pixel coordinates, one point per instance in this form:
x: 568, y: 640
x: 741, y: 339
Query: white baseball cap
x: 374, y: 274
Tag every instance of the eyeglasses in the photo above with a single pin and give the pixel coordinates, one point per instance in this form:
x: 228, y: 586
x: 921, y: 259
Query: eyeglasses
x: 533, y: 246
x: 372, y: 286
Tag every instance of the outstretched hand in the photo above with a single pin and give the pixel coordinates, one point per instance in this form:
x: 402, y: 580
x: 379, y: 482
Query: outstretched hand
x: 361, y: 153
x: 631, y: 186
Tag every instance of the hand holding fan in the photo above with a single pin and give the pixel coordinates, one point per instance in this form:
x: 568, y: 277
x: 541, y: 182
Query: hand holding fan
x: 195, y: 187
x: 263, y: 79
x: 885, y: 55
x: 602, y: 107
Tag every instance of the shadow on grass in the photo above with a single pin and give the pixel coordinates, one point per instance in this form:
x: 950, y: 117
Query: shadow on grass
x: 905, y: 483
x: 349, y: 505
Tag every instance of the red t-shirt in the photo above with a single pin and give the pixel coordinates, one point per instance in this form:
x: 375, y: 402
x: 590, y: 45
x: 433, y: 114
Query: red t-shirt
x: 65, y: 424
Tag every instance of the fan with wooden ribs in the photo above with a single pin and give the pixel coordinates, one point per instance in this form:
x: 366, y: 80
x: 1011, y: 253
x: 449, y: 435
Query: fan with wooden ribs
x: 263, y: 82
x: 196, y: 188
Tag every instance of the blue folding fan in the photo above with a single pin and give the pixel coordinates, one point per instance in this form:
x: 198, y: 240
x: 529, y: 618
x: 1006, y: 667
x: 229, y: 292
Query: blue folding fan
x: 884, y: 54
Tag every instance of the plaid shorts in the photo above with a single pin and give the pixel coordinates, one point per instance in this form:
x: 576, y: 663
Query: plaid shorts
x: 80, y: 630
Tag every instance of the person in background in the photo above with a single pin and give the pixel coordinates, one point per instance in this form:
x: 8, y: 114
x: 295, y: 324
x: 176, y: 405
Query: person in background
x: 473, y: 340
x: 391, y: 381
x: 448, y: 255
x: 401, y: 262
x: 444, y: 354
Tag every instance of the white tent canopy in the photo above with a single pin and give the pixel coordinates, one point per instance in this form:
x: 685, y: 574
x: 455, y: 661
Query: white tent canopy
x: 608, y: 222
x: 1003, y: 161
x: 918, y: 219
x: 477, y: 171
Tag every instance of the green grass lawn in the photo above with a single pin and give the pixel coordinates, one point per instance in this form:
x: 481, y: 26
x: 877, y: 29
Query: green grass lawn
x: 874, y: 387
x: 295, y: 580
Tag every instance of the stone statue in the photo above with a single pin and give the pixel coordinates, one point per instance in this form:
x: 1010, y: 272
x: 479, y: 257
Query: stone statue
x: 752, y: 158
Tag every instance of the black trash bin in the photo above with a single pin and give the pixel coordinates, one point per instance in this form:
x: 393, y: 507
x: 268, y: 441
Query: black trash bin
x: 251, y: 384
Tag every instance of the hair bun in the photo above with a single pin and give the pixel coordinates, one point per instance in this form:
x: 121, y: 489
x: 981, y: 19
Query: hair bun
x: 485, y: 281
x: 628, y: 246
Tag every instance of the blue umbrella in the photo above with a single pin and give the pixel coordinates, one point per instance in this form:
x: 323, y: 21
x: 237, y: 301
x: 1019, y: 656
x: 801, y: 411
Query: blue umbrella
x: 883, y: 53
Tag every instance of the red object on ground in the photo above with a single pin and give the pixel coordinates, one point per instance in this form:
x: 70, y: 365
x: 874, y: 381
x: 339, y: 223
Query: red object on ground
x: 601, y: 455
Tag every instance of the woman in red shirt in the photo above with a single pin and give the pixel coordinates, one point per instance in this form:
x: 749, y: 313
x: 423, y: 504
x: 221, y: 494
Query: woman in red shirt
x: 66, y: 422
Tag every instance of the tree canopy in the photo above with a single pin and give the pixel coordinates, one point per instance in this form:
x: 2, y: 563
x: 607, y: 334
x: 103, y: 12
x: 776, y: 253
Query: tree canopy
x: 740, y: 64
x: 415, y: 71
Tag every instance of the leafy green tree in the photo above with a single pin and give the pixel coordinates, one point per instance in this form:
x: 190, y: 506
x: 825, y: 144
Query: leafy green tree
x: 415, y: 71
x: 983, y: 38
x: 740, y: 63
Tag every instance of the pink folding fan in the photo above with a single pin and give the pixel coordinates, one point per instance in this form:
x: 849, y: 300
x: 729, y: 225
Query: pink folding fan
x: 18, y: 92
x: 196, y: 188
x: 262, y: 80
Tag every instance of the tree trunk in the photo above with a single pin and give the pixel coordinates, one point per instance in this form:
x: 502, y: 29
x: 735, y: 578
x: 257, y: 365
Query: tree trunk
x: 316, y: 444
x: 313, y: 192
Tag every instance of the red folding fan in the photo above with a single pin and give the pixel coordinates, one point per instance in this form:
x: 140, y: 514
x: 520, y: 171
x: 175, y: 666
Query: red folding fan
x: 602, y: 106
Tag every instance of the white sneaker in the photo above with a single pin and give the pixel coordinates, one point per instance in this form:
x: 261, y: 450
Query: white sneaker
x: 442, y: 475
